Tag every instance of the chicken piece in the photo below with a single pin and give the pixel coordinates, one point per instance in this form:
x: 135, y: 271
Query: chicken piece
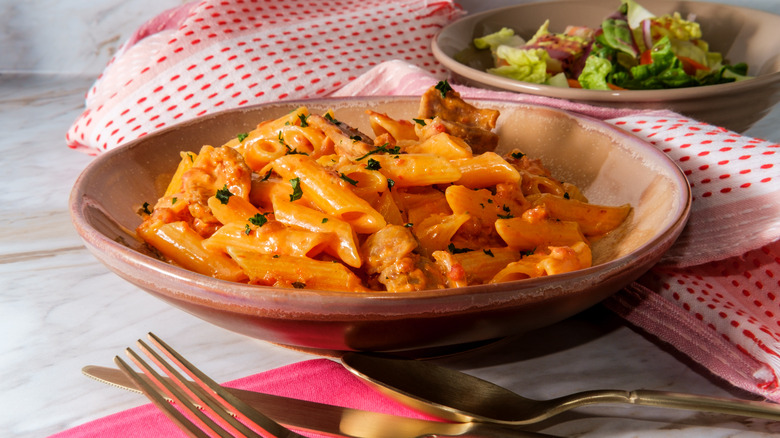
x: 389, y: 255
x: 448, y: 105
x: 451, y: 114
x: 214, y: 169
x: 348, y: 141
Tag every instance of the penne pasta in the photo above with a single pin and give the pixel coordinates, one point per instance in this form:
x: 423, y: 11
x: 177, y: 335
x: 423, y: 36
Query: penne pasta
x: 306, y: 201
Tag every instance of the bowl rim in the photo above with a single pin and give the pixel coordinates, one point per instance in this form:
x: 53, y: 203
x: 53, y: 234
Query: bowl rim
x: 617, y: 96
x: 246, y: 298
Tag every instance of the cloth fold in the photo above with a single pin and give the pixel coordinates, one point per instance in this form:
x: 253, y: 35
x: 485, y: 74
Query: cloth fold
x: 715, y: 296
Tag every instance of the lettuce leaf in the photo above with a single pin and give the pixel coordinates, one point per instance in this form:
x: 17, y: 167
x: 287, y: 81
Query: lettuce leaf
x: 594, y: 74
x: 504, y: 37
x: 529, y: 65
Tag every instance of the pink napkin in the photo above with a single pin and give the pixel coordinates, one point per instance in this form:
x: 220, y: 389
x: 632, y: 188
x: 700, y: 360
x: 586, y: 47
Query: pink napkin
x: 714, y: 296
x: 317, y: 380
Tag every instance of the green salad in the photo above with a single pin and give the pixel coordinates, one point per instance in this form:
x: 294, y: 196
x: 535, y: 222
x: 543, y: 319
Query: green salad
x: 632, y: 49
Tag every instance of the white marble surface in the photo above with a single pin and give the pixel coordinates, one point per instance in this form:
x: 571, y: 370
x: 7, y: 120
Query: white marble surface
x: 60, y: 309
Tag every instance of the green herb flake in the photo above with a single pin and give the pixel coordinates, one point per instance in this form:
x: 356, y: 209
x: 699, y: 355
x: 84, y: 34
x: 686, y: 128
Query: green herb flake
x: 303, y: 118
x: 267, y: 175
x: 373, y: 164
x: 223, y: 195
x: 259, y: 219
x: 517, y: 155
x: 297, y: 190
x: 566, y: 195
x: 173, y: 200
x: 395, y: 150
x: 451, y: 248
x: 444, y: 88
x: 488, y: 252
x: 408, y: 225
x: 324, y: 220
x: 390, y: 184
x: 247, y: 229
x: 348, y: 179
x: 420, y: 122
x: 242, y: 136
x: 356, y: 138
x: 146, y: 208
x: 330, y: 118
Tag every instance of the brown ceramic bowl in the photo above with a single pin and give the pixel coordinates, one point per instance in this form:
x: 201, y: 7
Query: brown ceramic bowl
x: 611, y: 167
x: 740, y: 34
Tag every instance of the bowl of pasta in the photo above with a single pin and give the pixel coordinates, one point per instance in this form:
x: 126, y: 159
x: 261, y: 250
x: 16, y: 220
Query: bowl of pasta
x: 400, y: 224
x: 717, y: 63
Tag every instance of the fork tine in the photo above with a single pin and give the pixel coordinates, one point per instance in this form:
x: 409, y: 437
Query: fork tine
x: 228, y: 400
x: 153, y: 394
x: 220, y: 422
x: 204, y: 392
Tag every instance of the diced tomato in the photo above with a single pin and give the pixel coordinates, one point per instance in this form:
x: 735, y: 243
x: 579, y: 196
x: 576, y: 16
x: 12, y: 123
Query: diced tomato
x: 614, y: 87
x: 646, y: 57
x: 690, y: 66
x: 573, y: 83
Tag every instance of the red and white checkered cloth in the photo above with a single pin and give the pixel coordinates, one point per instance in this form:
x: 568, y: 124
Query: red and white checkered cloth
x: 715, y: 296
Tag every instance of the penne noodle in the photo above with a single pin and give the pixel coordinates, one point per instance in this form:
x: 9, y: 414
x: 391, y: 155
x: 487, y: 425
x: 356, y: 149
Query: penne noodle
x: 525, y: 235
x: 342, y: 242
x: 414, y: 170
x: 485, y: 170
x: 594, y: 220
x: 296, y: 272
x: 271, y: 238
x: 183, y: 246
x: 329, y: 193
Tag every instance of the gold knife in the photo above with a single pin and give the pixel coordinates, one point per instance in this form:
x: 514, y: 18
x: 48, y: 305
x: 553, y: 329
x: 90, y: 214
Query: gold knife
x: 337, y: 421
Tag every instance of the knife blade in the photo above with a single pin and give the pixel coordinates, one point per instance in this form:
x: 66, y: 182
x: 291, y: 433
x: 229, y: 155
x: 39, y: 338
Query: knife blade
x: 337, y: 421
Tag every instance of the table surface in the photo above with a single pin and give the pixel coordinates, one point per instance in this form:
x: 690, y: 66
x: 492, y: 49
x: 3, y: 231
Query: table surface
x: 60, y: 309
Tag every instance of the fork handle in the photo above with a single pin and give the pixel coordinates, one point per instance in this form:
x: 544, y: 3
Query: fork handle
x: 702, y: 403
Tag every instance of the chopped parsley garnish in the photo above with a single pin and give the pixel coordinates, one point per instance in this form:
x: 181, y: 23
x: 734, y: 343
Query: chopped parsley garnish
x: 259, y: 219
x: 324, y: 220
x: 247, y: 229
x: 488, y: 252
x: 395, y: 150
x: 356, y: 138
x: 566, y: 195
x: 420, y: 122
x: 444, y: 88
x: 451, y: 248
x: 267, y: 175
x: 223, y: 195
x: 527, y: 253
x: 508, y: 214
x: 517, y: 155
x: 281, y: 140
x: 408, y: 225
x: 373, y: 164
x: 302, y: 118
x: 173, y: 200
x: 297, y: 190
x: 330, y: 118
x: 146, y: 208
x: 242, y: 136
x: 348, y: 179
x: 390, y: 184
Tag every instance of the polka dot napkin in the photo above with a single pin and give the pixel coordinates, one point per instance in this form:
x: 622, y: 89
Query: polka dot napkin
x: 716, y: 294
x: 213, y: 55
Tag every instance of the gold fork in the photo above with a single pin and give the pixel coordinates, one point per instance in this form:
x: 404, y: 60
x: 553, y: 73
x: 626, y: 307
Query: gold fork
x: 217, y: 404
